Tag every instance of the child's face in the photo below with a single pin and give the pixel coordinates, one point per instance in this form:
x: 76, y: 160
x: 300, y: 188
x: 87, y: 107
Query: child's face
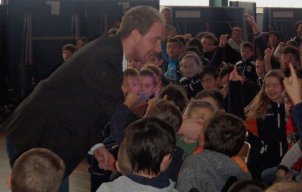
x: 288, y: 106
x: 246, y: 53
x: 209, y: 82
x: 131, y: 84
x: 260, y: 68
x: 189, y: 68
x: 285, y: 59
x: 201, y: 115
x: 198, y: 117
x: 207, y: 45
x: 273, y: 40
x: 273, y: 89
x: 66, y: 54
x: 174, y: 50
x: 148, y: 88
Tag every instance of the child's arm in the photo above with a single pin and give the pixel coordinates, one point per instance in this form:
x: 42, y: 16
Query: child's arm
x: 293, y: 88
x: 292, y: 156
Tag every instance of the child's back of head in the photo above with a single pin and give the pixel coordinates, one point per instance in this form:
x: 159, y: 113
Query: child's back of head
x: 224, y: 127
x: 148, y: 143
x: 167, y: 111
x: 37, y: 170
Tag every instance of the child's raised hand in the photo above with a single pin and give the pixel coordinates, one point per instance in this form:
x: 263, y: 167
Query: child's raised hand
x: 234, y: 76
x: 223, y: 40
x: 131, y: 99
x: 293, y: 86
x: 190, y: 129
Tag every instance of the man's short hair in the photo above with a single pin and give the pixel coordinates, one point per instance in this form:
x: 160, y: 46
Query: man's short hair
x: 70, y: 47
x: 37, y: 170
x: 225, y: 133
x: 148, y: 141
x: 140, y: 18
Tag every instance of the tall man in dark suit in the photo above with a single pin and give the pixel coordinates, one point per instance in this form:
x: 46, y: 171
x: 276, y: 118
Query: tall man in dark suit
x: 67, y: 111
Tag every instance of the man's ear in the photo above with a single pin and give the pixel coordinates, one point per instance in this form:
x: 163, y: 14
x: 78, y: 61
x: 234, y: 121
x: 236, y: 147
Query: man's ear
x: 9, y: 182
x: 135, y: 35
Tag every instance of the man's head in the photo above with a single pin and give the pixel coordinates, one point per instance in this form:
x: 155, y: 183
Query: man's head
x: 141, y: 30
x: 150, y: 143
x: 67, y: 51
x: 37, y: 170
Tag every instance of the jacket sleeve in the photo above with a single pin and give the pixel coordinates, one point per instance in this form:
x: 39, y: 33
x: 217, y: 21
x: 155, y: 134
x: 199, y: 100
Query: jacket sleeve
x: 292, y: 156
x: 122, y: 117
x: 297, y: 114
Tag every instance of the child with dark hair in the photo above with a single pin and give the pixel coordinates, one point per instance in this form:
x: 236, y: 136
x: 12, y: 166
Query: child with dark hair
x: 80, y: 42
x: 175, y: 93
x: 37, y: 170
x: 212, y: 96
x: 175, y: 47
x: 190, y: 68
x: 67, y: 51
x: 246, y: 65
x: 209, y: 78
x: 167, y: 111
x: 210, y: 169
x: 149, y: 146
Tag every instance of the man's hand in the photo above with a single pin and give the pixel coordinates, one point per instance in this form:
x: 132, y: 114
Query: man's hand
x: 105, y: 158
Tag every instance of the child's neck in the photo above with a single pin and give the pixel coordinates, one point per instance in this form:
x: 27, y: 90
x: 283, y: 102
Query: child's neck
x: 146, y: 174
x: 187, y: 140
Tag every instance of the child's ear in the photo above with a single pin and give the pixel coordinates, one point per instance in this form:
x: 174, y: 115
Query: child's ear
x: 117, y: 166
x: 165, y: 162
x: 9, y: 182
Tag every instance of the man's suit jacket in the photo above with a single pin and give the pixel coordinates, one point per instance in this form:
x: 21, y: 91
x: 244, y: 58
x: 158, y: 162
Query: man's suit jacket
x: 67, y: 111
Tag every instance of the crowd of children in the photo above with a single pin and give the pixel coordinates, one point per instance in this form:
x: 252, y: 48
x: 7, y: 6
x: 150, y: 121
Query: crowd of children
x: 189, y: 111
